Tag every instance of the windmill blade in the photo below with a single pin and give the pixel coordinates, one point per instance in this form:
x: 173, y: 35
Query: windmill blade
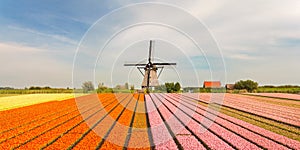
x: 135, y: 64
x: 150, y: 51
x: 165, y: 64
x: 139, y: 68
x: 148, y: 80
x: 161, y: 69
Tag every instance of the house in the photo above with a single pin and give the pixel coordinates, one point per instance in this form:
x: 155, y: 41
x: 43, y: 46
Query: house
x: 229, y: 86
x: 212, y: 84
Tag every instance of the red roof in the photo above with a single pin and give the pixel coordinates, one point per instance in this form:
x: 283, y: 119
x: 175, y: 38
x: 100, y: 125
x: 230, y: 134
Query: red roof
x: 212, y: 84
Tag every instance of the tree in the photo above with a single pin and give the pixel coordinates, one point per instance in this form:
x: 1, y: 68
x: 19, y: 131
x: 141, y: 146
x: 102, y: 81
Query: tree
x: 126, y: 86
x: 118, y: 87
x: 171, y: 87
x: 249, y: 85
x: 87, y: 86
x: 101, y: 88
x: 177, y: 87
x: 104, y: 89
x: 35, y: 88
x: 100, y: 85
x: 132, y: 88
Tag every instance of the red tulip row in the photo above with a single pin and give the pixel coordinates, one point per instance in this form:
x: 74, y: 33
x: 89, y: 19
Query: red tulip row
x: 100, y: 130
x: 20, y: 134
x: 118, y: 134
x: 58, y: 131
x: 138, y: 135
x: 37, y: 125
x: 45, y: 132
x: 24, y: 115
x: 29, y: 115
x: 114, y: 127
x: 81, y: 133
x: 33, y: 134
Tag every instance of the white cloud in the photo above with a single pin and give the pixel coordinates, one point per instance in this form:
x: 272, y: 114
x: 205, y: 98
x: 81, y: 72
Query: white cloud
x: 26, y: 66
x: 60, y: 38
x: 17, y: 48
x: 253, y: 36
x: 245, y: 30
x: 157, y: 25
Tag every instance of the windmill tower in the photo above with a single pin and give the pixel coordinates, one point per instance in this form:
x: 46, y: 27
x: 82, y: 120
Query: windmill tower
x: 150, y: 69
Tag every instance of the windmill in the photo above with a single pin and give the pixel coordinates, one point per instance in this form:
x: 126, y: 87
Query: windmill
x: 150, y: 75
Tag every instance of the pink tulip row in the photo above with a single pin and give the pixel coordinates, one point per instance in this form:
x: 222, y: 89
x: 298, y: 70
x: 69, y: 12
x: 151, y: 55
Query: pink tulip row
x: 260, y: 101
x: 238, y: 133
x: 276, y: 112
x: 216, y: 129
x: 267, y: 110
x: 160, y: 134
x: 245, y: 100
x: 271, y: 135
x: 282, y: 113
x: 249, y: 133
x: 158, y: 127
x: 279, y: 95
x: 257, y: 130
x: 184, y: 137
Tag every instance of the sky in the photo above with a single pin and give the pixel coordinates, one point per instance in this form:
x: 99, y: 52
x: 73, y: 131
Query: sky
x: 64, y: 43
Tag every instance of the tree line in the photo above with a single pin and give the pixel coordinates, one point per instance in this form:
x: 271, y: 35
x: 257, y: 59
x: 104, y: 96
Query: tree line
x: 167, y: 87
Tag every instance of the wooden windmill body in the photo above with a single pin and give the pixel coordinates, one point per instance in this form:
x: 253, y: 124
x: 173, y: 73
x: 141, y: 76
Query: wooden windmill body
x: 150, y: 70
x: 153, y: 79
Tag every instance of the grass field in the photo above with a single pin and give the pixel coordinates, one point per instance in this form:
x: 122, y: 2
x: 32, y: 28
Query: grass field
x: 42, y: 91
x: 293, y: 90
x: 7, y: 95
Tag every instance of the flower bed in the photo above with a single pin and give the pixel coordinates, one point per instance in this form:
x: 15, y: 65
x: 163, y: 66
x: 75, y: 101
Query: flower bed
x: 174, y: 121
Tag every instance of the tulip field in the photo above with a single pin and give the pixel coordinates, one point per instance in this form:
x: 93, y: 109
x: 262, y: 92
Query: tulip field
x: 153, y: 121
x: 9, y: 102
x: 279, y: 95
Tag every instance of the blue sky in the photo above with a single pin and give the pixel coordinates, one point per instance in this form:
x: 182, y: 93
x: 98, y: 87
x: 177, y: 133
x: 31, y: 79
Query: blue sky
x: 258, y: 40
